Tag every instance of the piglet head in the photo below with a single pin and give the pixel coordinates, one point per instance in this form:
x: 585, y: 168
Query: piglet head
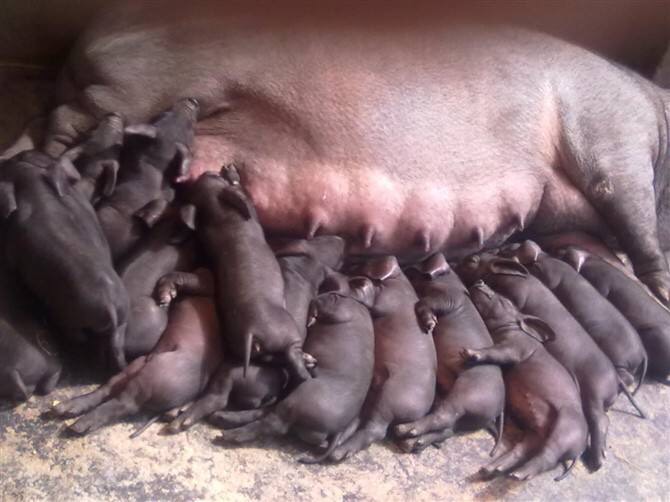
x: 326, y: 249
x: 429, y: 269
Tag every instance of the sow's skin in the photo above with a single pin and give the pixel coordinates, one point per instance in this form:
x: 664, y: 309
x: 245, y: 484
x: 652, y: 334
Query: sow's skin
x: 304, y: 265
x: 468, y: 397
x: 27, y: 363
x: 153, y: 156
x: 607, y: 326
x: 573, y: 347
x: 52, y: 237
x: 403, y: 388
x: 250, y: 287
x: 172, y: 375
x: 650, y: 319
x: 541, y: 394
x: 582, y: 143
x: 341, y: 337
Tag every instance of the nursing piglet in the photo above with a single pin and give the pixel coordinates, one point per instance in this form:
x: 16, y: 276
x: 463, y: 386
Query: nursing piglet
x: 607, y: 326
x: 468, y: 397
x: 250, y: 287
x: 304, y: 264
x: 598, y: 381
x: 152, y: 158
x: 648, y: 317
x: 172, y: 375
x: 341, y: 337
x: 403, y: 388
x: 168, y: 247
x: 542, y: 396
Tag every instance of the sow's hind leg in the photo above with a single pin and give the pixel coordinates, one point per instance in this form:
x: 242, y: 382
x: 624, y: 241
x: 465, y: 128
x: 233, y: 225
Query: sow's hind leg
x: 609, y: 155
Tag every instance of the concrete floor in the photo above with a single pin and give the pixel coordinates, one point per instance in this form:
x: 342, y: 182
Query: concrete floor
x: 38, y: 462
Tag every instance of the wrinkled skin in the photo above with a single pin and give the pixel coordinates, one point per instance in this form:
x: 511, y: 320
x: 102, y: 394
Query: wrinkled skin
x: 167, y: 247
x: 541, y: 394
x: 52, y: 237
x: 607, y: 326
x: 651, y: 320
x: 468, y: 397
x: 572, y: 347
x: 403, y: 388
x: 153, y: 156
x: 28, y: 363
x: 341, y: 337
x: 175, y: 372
x: 250, y: 287
x: 97, y: 159
x: 349, y: 151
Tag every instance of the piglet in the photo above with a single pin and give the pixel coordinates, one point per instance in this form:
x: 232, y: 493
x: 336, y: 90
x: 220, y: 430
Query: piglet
x: 167, y: 247
x: 97, y: 159
x: 341, y: 337
x: 648, y: 317
x: 468, y: 397
x: 403, y: 388
x: 173, y: 374
x: 304, y: 265
x: 607, y: 326
x: 542, y: 396
x: 598, y: 381
x: 54, y: 243
x: 250, y: 287
x: 153, y: 156
x: 28, y: 362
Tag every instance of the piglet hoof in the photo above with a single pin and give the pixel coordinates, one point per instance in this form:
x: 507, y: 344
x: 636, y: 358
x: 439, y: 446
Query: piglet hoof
x: 469, y: 356
x: 309, y: 360
x: 405, y: 430
x: 166, y: 292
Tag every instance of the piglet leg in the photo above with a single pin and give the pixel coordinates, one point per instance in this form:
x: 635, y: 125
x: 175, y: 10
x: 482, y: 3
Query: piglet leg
x: 81, y: 404
x: 216, y: 398
x: 124, y: 405
x: 269, y: 425
x: 374, y: 430
x: 420, y: 443
x: 501, y: 354
x: 512, y: 458
x: 198, y: 283
x: 232, y: 419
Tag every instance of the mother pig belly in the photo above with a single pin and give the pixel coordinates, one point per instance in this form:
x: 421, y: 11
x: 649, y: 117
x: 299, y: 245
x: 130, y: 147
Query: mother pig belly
x: 397, y: 203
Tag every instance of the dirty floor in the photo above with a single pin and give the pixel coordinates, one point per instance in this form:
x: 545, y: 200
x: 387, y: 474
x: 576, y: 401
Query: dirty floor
x: 38, y: 462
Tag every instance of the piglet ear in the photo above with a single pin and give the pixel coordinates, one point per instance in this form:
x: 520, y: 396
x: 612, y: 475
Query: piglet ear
x: 536, y: 328
x: 187, y: 214
x: 182, y: 161
x: 61, y: 174
x: 234, y: 198
x: 435, y: 266
x: 289, y: 247
x: 7, y: 199
x: 574, y: 257
x: 144, y: 130
x: 381, y: 268
x: 506, y: 266
x: 363, y: 290
x: 110, y: 171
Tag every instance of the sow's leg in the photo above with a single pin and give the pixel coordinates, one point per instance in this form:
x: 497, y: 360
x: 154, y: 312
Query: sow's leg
x: 609, y: 154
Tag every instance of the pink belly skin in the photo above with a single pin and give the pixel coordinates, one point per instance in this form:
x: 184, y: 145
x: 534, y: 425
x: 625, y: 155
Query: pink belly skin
x: 378, y: 213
